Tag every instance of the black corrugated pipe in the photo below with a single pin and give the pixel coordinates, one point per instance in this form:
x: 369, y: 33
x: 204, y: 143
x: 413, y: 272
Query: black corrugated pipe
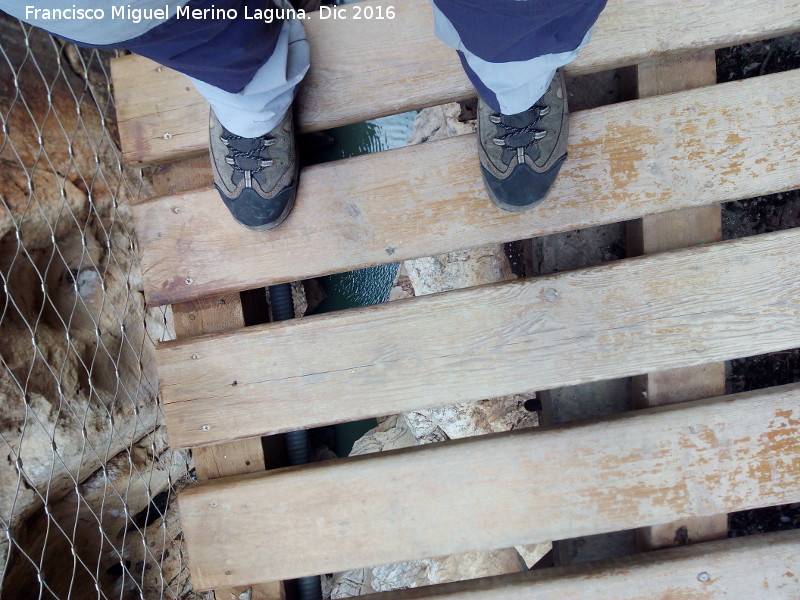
x: 280, y: 301
x: 297, y: 445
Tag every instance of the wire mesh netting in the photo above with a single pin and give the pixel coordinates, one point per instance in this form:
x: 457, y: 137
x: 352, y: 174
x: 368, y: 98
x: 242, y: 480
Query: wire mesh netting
x: 88, y: 480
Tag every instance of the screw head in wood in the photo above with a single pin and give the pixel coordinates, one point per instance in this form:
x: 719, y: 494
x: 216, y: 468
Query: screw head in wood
x: 703, y: 576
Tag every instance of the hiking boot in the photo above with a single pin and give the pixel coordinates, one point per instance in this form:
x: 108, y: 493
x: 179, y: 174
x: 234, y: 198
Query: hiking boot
x: 521, y: 154
x: 256, y: 177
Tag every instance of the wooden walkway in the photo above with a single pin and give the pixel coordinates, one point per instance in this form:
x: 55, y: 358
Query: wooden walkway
x: 698, y: 459
x: 629, y: 160
x: 683, y: 308
x: 664, y: 163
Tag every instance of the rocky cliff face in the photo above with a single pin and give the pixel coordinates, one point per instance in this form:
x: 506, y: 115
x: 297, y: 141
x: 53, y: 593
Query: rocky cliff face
x: 80, y: 427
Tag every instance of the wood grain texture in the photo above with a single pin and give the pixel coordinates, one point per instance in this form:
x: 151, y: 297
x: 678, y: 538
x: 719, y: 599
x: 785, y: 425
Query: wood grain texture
x: 208, y: 315
x: 182, y: 175
x: 763, y: 566
x: 675, y: 229
x: 696, y: 459
x: 362, y: 69
x: 670, y: 310
x: 215, y: 315
x: 731, y: 141
x: 680, y: 228
x: 667, y: 75
x: 679, y: 385
x: 661, y: 233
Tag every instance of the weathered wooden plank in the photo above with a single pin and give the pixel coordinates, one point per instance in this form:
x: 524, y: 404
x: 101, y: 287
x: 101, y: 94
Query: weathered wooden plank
x: 661, y: 233
x: 182, y: 175
x: 727, y: 142
x: 210, y: 315
x: 363, y: 69
x: 763, y: 566
x: 696, y: 459
x: 215, y: 315
x: 653, y: 313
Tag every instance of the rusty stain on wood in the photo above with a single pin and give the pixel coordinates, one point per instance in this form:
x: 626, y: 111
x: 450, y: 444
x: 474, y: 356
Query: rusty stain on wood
x: 447, y: 209
x: 633, y: 470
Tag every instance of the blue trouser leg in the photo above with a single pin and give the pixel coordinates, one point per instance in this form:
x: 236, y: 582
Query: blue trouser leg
x: 510, y: 49
x: 247, y: 69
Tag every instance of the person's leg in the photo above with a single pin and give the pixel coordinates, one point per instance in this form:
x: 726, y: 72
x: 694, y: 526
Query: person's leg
x: 247, y: 69
x: 511, y: 51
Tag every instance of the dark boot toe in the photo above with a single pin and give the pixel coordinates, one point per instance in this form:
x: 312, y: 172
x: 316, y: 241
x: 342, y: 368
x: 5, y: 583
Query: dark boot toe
x: 523, y: 189
x: 255, y: 212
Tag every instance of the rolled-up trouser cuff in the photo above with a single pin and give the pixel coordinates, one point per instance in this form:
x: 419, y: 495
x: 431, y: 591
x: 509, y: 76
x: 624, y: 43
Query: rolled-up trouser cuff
x: 261, y: 105
x: 247, y: 69
x: 521, y: 44
x: 513, y: 87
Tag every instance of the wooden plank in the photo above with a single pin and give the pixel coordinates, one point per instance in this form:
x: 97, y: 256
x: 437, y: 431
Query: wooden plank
x: 696, y: 459
x: 182, y: 175
x: 211, y: 315
x: 762, y: 566
x: 679, y: 385
x: 682, y: 532
x: 661, y: 233
x: 668, y: 75
x: 688, y: 227
x: 395, y: 65
x: 727, y: 142
x: 208, y: 315
x: 678, y: 309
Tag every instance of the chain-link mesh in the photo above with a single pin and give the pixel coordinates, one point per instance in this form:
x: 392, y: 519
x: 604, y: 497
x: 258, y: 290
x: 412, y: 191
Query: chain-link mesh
x: 88, y: 481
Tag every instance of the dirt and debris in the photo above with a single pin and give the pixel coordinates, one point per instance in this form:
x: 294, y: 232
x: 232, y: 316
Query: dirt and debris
x: 764, y: 520
x: 758, y: 58
x: 777, y: 211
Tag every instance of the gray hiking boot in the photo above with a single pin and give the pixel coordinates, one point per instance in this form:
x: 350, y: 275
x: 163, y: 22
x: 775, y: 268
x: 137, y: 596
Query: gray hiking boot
x: 521, y: 154
x: 256, y: 177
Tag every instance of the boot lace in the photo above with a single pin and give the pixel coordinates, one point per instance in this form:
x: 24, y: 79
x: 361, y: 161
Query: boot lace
x: 512, y: 136
x: 245, y: 156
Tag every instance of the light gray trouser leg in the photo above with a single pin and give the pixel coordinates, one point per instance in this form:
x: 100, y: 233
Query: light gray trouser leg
x: 260, y: 106
x: 255, y: 110
x: 517, y: 85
